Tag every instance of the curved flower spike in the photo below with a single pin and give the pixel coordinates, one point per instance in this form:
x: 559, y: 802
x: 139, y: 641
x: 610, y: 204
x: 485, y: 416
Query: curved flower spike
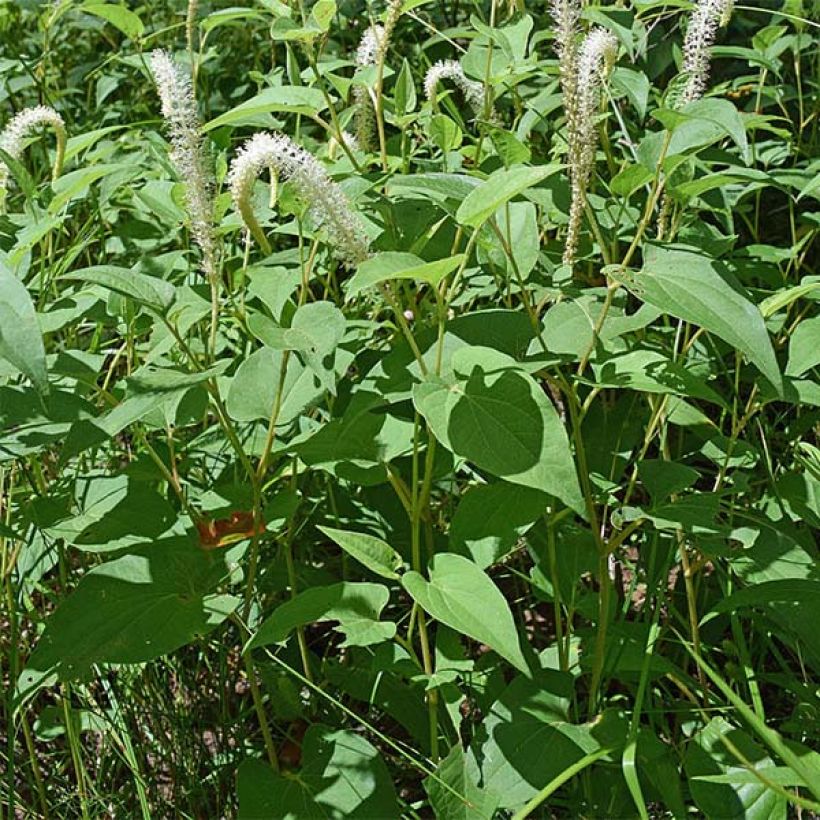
x: 451, y: 70
x: 179, y: 110
x: 12, y: 140
x: 328, y: 203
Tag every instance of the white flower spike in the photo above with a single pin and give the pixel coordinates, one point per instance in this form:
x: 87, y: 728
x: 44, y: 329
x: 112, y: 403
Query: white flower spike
x: 706, y: 19
x: 179, y: 110
x: 13, y: 138
x: 328, y: 204
x: 451, y: 70
x: 594, y: 61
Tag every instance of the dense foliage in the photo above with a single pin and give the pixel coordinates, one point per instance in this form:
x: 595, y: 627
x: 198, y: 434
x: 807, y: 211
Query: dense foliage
x: 409, y: 410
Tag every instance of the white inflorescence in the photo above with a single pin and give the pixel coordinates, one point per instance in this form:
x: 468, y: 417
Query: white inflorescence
x: 367, y: 55
x: 594, y: 60
x: 451, y: 70
x: 708, y: 16
x: 179, y: 110
x: 13, y: 138
x: 369, y: 46
x: 328, y: 204
x: 566, y: 14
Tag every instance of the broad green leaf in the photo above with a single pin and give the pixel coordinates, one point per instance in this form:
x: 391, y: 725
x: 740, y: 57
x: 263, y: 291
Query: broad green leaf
x: 341, y: 775
x: 706, y: 755
x: 804, y: 347
x: 462, y: 596
x: 76, y: 183
x: 463, y: 800
x: 106, y: 519
x: 356, y: 606
x: 294, y: 99
x: 528, y: 739
x: 368, y: 550
x: 701, y: 123
x: 497, y: 417
x: 133, y: 609
x: 120, y: 17
x: 315, y: 331
x: 21, y: 342
x: 491, y: 518
x: 147, y: 290
x: 253, y: 392
x: 689, y: 286
x: 390, y: 265
x: 500, y: 187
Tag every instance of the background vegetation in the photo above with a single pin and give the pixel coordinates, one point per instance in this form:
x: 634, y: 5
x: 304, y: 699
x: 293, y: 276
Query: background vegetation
x: 479, y: 524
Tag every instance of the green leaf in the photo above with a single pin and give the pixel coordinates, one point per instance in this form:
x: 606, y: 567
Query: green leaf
x: 500, y: 187
x: 783, y: 298
x: 120, y: 17
x: 804, y: 347
x: 342, y: 775
x: 528, y: 739
x: 253, y: 391
x: 708, y: 756
x: 228, y: 16
x: 21, y: 342
x: 390, y: 265
x: 463, y: 800
x: 356, y: 606
x: 315, y: 331
x: 790, y: 590
x: 689, y: 286
x: 150, y: 291
x: 502, y: 421
x: 701, y: 123
x: 464, y: 598
x: 802, y: 760
x: 294, y: 99
x: 491, y: 518
x: 368, y: 550
x: 130, y: 610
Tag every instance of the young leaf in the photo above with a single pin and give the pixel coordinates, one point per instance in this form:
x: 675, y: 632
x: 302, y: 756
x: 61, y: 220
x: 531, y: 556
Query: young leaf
x: 384, y: 267
x: 368, y: 550
x: 463, y: 597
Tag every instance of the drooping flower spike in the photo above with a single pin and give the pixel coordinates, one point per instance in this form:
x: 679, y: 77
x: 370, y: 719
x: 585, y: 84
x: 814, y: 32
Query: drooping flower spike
x: 451, y: 70
x: 13, y: 138
x: 706, y: 19
x: 327, y: 202
x: 179, y: 110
